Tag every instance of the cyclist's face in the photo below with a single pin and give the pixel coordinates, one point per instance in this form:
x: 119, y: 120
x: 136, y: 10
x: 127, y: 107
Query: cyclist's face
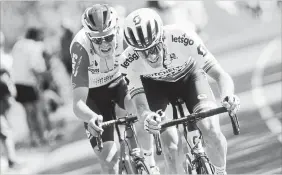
x: 105, y: 46
x: 153, y: 55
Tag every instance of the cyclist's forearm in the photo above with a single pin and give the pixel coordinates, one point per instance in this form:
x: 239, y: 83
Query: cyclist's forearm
x: 223, y: 80
x: 82, y: 111
x: 225, y: 85
x: 141, y: 104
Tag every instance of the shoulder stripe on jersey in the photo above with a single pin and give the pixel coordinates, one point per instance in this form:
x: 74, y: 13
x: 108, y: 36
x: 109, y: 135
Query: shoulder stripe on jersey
x: 136, y: 92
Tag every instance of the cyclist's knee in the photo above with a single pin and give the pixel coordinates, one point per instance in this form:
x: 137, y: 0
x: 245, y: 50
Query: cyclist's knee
x: 109, y: 154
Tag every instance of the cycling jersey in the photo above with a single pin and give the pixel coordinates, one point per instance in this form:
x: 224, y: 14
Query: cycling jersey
x: 87, y: 69
x: 185, y: 52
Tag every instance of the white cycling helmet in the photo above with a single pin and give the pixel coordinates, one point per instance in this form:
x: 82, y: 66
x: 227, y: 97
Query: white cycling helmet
x: 143, y: 28
x: 99, y: 20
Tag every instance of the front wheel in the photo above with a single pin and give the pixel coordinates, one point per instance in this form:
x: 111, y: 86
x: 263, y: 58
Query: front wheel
x: 204, y: 166
x: 142, y: 167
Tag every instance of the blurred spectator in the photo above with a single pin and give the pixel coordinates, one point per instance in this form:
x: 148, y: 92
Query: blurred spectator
x: 7, y: 94
x: 190, y: 13
x: 65, y: 45
x: 28, y: 67
x: 5, y: 130
x: 50, y: 99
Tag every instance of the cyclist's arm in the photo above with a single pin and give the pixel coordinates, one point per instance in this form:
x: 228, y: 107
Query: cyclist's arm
x: 80, y: 82
x: 136, y: 90
x: 223, y: 79
x: 211, y: 66
x: 141, y: 104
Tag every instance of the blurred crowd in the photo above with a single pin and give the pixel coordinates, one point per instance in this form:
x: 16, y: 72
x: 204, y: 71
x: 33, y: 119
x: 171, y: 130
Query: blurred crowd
x: 36, y: 66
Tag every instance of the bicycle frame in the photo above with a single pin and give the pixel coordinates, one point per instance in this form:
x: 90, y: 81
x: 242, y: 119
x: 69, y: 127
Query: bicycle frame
x: 131, y: 162
x: 193, y: 138
x: 130, y: 142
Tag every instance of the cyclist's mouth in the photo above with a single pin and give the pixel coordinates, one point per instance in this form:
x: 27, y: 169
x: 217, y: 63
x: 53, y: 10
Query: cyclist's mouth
x: 106, y: 50
x: 154, y: 60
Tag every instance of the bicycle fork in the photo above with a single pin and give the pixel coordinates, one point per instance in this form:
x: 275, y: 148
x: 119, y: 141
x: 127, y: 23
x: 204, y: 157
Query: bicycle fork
x: 193, y: 139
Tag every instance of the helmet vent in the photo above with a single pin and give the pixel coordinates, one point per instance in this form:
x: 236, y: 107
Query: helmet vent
x: 149, y: 30
x: 131, y: 36
x: 141, y: 36
x: 157, y: 27
x: 92, y: 21
x: 105, y: 16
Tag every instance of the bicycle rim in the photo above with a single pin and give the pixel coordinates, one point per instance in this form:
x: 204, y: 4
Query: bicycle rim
x: 142, y: 168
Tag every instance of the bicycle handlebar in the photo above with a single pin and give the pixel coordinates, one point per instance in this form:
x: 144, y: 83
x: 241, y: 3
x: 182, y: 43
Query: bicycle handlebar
x: 198, y: 116
x: 120, y: 121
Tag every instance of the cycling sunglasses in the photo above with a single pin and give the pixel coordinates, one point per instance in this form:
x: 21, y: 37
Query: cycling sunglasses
x: 154, y: 50
x: 99, y: 40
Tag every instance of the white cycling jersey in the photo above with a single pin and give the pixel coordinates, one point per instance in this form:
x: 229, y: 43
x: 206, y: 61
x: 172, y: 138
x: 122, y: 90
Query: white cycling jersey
x: 185, y: 52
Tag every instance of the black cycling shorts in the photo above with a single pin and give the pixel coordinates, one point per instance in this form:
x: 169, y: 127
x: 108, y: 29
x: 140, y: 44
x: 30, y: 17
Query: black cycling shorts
x: 26, y: 94
x: 101, y: 99
x: 193, y: 89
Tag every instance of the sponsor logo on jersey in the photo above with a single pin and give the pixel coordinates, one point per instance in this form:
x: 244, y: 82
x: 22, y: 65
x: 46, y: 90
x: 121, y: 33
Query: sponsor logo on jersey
x: 93, y: 68
x: 75, y: 63
x: 168, y: 60
x: 130, y: 59
x: 202, y: 50
x: 202, y: 96
x: 170, y: 74
x: 182, y: 39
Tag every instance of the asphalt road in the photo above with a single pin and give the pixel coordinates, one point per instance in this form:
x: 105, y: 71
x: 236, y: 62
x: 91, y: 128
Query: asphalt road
x: 256, y: 150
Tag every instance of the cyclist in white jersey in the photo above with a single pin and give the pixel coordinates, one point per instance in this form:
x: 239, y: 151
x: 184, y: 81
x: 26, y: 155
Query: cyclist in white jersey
x: 96, y: 79
x: 163, y: 63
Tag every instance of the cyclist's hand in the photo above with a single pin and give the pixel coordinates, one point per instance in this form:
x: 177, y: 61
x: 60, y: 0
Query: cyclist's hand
x: 94, y: 125
x: 152, y: 122
x: 231, y: 103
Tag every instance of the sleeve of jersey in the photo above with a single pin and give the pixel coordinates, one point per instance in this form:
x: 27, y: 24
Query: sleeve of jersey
x: 80, y: 62
x: 201, y: 54
x: 132, y: 77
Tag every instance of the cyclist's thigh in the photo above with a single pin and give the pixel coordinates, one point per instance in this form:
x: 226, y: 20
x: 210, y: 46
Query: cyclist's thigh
x: 156, y: 97
x: 101, y: 104
x: 120, y: 91
x: 199, y: 98
x: 197, y: 93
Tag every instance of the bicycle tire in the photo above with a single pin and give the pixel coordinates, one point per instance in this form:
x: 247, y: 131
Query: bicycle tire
x: 187, y: 165
x: 122, y: 168
x: 204, y: 166
x: 142, y: 167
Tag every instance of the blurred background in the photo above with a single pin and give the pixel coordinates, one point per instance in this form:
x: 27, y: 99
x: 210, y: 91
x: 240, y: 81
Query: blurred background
x: 245, y: 37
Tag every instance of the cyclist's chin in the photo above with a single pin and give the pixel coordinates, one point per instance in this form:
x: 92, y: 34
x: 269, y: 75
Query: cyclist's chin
x: 155, y: 63
x: 106, y: 52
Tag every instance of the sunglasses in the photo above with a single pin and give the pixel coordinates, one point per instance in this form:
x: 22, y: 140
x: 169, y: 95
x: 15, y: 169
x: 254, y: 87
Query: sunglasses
x: 154, y: 50
x: 99, y: 40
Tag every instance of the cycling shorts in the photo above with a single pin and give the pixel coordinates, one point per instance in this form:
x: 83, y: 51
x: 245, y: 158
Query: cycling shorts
x: 26, y: 93
x: 193, y: 89
x: 102, y: 101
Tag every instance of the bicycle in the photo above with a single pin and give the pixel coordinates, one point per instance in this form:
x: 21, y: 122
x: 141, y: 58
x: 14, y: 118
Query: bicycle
x: 196, y: 160
x: 131, y: 162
